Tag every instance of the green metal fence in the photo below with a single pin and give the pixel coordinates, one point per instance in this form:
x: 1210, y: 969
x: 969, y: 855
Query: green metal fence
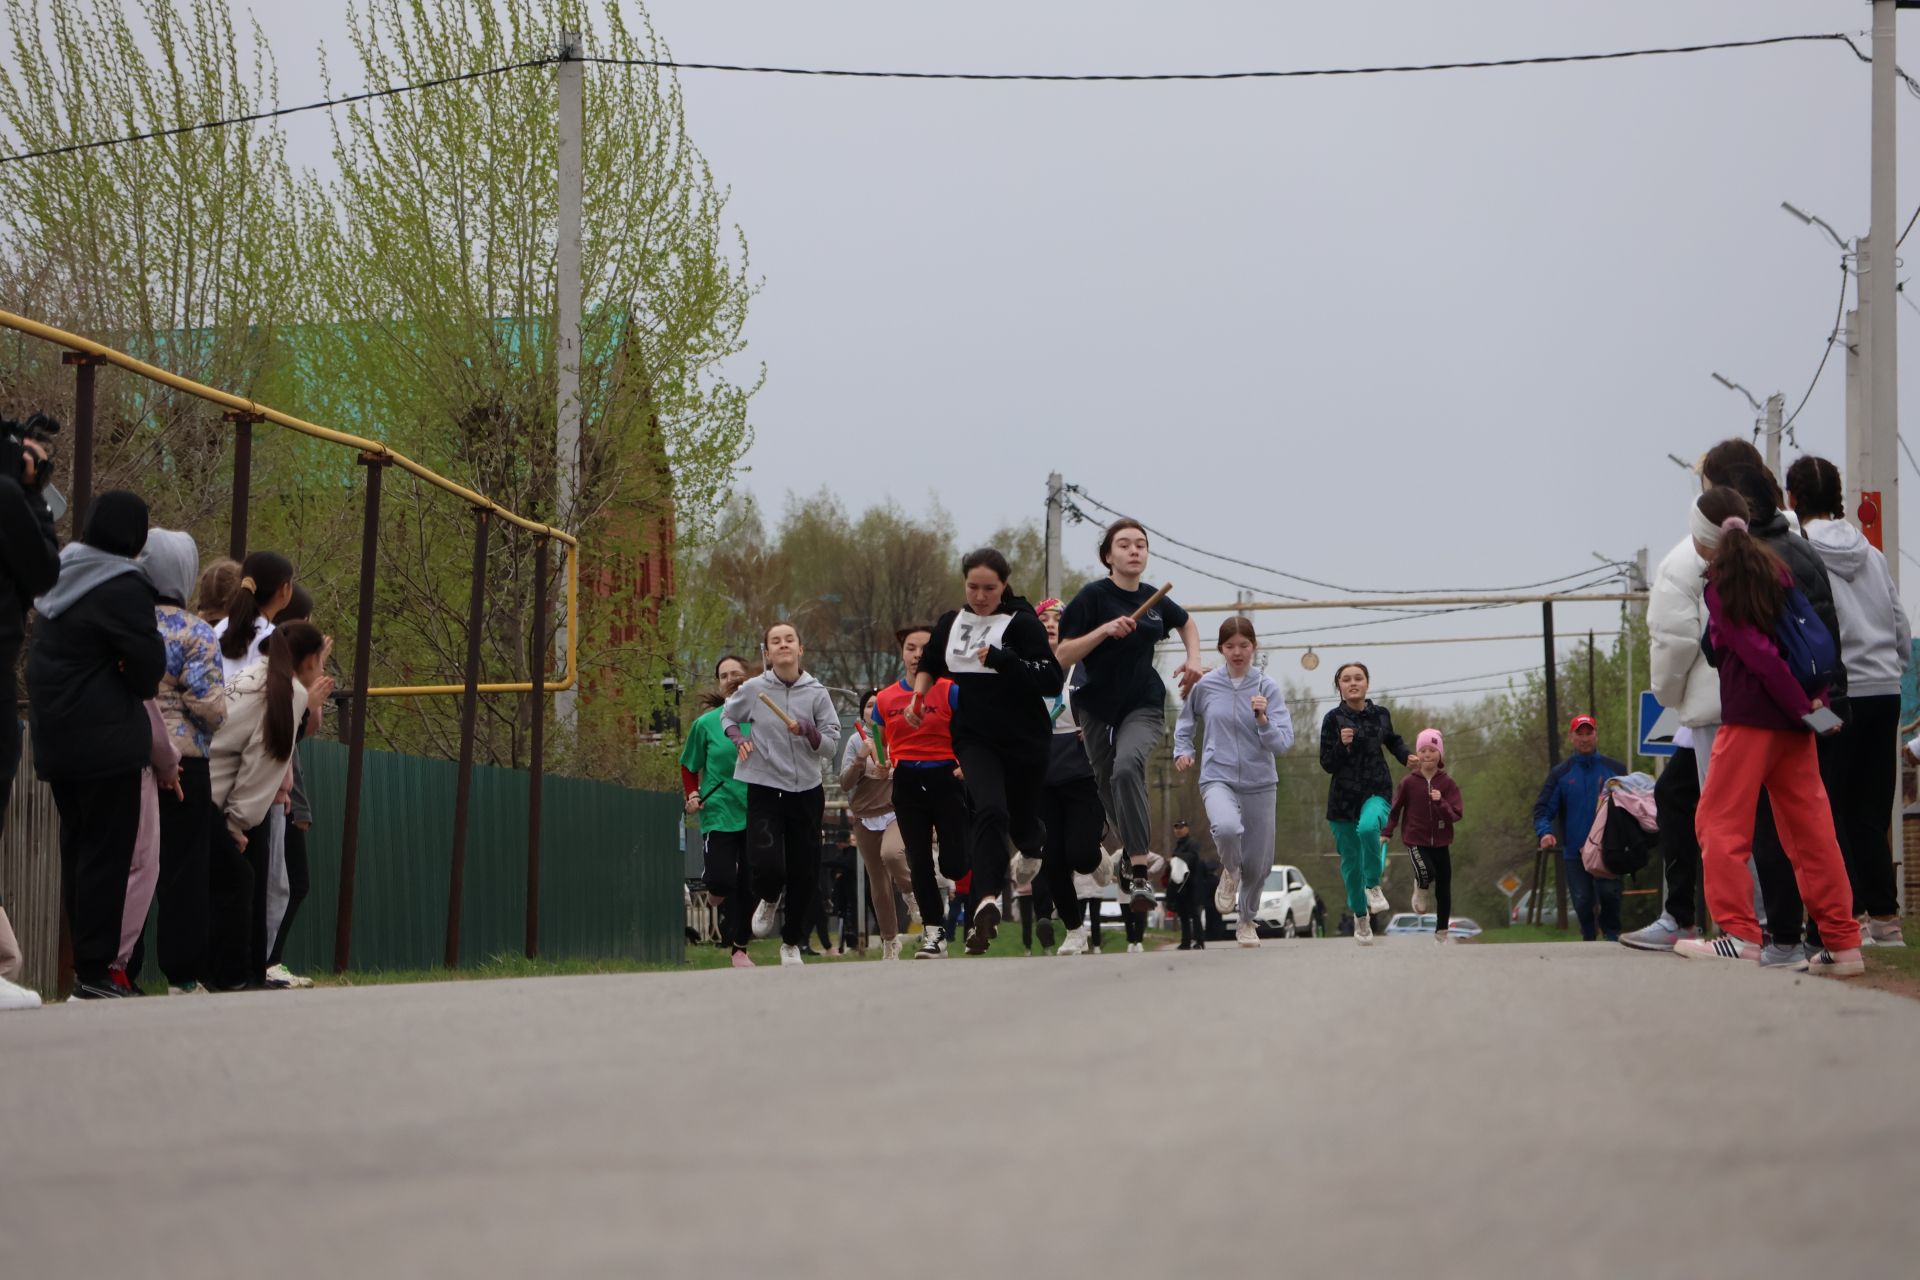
x: 611, y: 869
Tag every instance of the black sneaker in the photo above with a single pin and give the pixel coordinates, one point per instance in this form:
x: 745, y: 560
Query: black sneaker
x: 1184, y: 946
x: 84, y: 989
x: 986, y: 921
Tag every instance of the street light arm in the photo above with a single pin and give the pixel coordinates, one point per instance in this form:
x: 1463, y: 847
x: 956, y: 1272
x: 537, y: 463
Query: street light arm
x: 1813, y: 221
x: 1734, y: 386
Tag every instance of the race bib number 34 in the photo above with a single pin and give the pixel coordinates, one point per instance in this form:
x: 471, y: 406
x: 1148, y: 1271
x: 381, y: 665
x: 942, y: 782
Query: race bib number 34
x: 970, y: 632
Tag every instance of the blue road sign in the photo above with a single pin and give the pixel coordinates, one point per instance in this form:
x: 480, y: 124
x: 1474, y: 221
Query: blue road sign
x: 1658, y: 724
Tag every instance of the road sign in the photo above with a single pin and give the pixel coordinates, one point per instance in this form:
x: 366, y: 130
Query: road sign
x: 1658, y: 724
x: 1510, y: 884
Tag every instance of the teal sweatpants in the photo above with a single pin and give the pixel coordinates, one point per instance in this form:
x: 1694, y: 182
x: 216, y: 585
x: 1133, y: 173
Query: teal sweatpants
x: 1363, y: 855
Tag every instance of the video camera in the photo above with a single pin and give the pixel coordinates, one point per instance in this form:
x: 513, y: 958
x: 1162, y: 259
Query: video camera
x: 40, y: 428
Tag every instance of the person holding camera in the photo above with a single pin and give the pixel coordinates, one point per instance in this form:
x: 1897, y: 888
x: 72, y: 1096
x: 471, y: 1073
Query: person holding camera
x: 29, y: 566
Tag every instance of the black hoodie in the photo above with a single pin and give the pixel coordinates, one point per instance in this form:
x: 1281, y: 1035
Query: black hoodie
x: 1003, y: 707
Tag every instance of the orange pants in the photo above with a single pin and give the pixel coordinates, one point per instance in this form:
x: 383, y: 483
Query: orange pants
x: 1787, y: 764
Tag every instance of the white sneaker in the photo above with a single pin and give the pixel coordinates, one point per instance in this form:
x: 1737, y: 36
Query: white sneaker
x: 789, y: 956
x: 1227, y: 896
x: 1135, y: 948
x: 13, y: 996
x: 890, y: 949
x: 764, y: 917
x: 1075, y: 943
x: 1248, y: 934
x: 933, y: 943
x: 1363, y: 930
x: 1883, y: 933
x: 281, y: 976
x: 1377, y: 902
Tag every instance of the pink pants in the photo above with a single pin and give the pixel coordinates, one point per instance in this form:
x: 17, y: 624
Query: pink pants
x: 144, y: 874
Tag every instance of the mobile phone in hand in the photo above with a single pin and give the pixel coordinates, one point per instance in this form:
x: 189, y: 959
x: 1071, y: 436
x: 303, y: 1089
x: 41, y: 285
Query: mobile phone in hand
x: 1822, y: 720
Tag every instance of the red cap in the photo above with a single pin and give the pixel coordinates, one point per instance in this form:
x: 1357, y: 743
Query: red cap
x: 1582, y: 722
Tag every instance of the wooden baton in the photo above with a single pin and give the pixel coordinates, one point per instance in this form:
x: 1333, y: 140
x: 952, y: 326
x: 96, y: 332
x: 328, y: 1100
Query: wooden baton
x: 775, y: 708
x: 1141, y: 612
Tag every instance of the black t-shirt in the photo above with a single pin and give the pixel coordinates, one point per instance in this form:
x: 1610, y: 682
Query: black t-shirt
x: 1120, y: 674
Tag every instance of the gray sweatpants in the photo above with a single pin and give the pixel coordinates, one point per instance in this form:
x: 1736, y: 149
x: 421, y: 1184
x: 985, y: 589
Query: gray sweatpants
x: 1119, y: 756
x: 1242, y: 823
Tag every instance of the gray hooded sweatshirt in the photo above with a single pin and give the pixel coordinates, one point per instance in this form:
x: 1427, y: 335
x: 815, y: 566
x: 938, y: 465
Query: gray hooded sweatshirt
x: 1238, y: 751
x: 786, y: 761
x: 171, y: 562
x: 1875, y: 637
x: 82, y: 568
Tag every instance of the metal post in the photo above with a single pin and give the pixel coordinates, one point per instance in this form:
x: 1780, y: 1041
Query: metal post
x: 1056, y: 507
x: 1593, y: 663
x: 83, y: 413
x: 1553, y: 743
x: 1883, y: 423
x: 536, y: 775
x: 1776, y: 410
x: 357, y: 715
x: 572, y: 173
x: 469, y: 713
x: 242, y: 481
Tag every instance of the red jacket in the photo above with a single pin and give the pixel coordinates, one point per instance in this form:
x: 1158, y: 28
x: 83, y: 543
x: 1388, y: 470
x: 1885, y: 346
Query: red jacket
x: 1429, y: 822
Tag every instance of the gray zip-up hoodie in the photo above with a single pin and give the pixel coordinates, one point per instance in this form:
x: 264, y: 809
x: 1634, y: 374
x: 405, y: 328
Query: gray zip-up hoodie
x: 1238, y: 751
x: 789, y: 762
x: 1875, y: 637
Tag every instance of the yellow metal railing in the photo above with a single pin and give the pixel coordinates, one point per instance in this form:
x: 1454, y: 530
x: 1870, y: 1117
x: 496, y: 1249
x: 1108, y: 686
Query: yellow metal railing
x: 370, y: 448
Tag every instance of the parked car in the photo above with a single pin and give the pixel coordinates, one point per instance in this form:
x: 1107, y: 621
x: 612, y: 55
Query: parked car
x: 1286, y: 906
x: 1406, y: 922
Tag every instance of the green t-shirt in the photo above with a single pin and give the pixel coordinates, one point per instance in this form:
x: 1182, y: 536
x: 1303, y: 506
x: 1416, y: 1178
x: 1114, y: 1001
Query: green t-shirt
x: 710, y: 754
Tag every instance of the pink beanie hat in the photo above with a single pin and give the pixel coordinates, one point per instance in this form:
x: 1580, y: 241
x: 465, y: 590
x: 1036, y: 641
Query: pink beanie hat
x: 1430, y: 738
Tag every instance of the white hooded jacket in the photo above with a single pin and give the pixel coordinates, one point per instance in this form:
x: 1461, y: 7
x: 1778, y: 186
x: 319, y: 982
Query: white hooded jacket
x: 1676, y: 616
x: 1875, y: 636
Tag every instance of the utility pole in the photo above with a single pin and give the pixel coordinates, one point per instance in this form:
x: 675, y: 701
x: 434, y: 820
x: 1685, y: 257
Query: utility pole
x: 567, y: 331
x: 1855, y: 338
x: 1776, y: 409
x: 1056, y: 512
x: 1640, y: 579
x: 1883, y: 419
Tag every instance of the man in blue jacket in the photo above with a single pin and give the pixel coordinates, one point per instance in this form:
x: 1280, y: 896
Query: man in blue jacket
x: 1569, y: 798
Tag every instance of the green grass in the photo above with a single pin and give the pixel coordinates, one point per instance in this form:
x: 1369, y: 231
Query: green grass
x: 1005, y: 943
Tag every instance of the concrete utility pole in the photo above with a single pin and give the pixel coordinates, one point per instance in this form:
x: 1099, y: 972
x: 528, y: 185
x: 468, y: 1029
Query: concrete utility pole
x: 1855, y: 340
x: 1776, y: 409
x: 1883, y: 419
x: 1056, y: 512
x: 567, y: 327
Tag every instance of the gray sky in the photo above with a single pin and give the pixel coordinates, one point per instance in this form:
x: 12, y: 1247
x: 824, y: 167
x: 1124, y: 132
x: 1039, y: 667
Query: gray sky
x: 1414, y: 331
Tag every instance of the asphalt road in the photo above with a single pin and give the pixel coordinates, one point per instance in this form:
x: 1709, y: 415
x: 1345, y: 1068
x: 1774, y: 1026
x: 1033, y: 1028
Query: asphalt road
x: 1481, y: 1110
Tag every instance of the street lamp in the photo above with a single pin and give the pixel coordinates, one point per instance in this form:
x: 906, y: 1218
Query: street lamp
x: 1812, y: 221
x: 1734, y: 386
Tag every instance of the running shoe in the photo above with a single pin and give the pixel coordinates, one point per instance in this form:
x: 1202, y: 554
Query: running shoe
x: 13, y: 996
x: 1247, y: 934
x: 1363, y: 930
x: 188, y: 989
x: 287, y: 978
x: 1377, y: 901
x: 1779, y: 956
x: 1837, y: 964
x: 1142, y: 890
x: 1075, y: 943
x: 1724, y: 947
x: 1136, y: 949
x: 1186, y: 945
x: 741, y: 960
x: 1883, y: 933
x: 986, y: 922
x: 765, y: 916
x: 890, y: 949
x: 933, y: 943
x: 1045, y: 930
x: 790, y: 956
x: 86, y: 990
x: 1228, y: 894
x: 1658, y: 936
x: 1443, y: 937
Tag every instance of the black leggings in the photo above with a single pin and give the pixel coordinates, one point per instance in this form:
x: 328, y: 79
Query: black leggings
x: 728, y: 878
x: 928, y: 799
x: 1005, y: 794
x: 185, y: 889
x: 99, y: 821
x: 1074, y: 820
x: 783, y: 846
x: 1861, y: 786
x: 1439, y: 860
x: 1676, y: 797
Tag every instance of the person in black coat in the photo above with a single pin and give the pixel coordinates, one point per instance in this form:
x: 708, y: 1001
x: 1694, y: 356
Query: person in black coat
x: 29, y: 566
x: 95, y: 659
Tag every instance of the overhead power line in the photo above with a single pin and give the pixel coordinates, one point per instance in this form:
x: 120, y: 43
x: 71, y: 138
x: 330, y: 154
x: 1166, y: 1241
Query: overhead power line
x: 1833, y: 336
x: 670, y: 64
x: 1315, y: 582
x: 1293, y: 74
